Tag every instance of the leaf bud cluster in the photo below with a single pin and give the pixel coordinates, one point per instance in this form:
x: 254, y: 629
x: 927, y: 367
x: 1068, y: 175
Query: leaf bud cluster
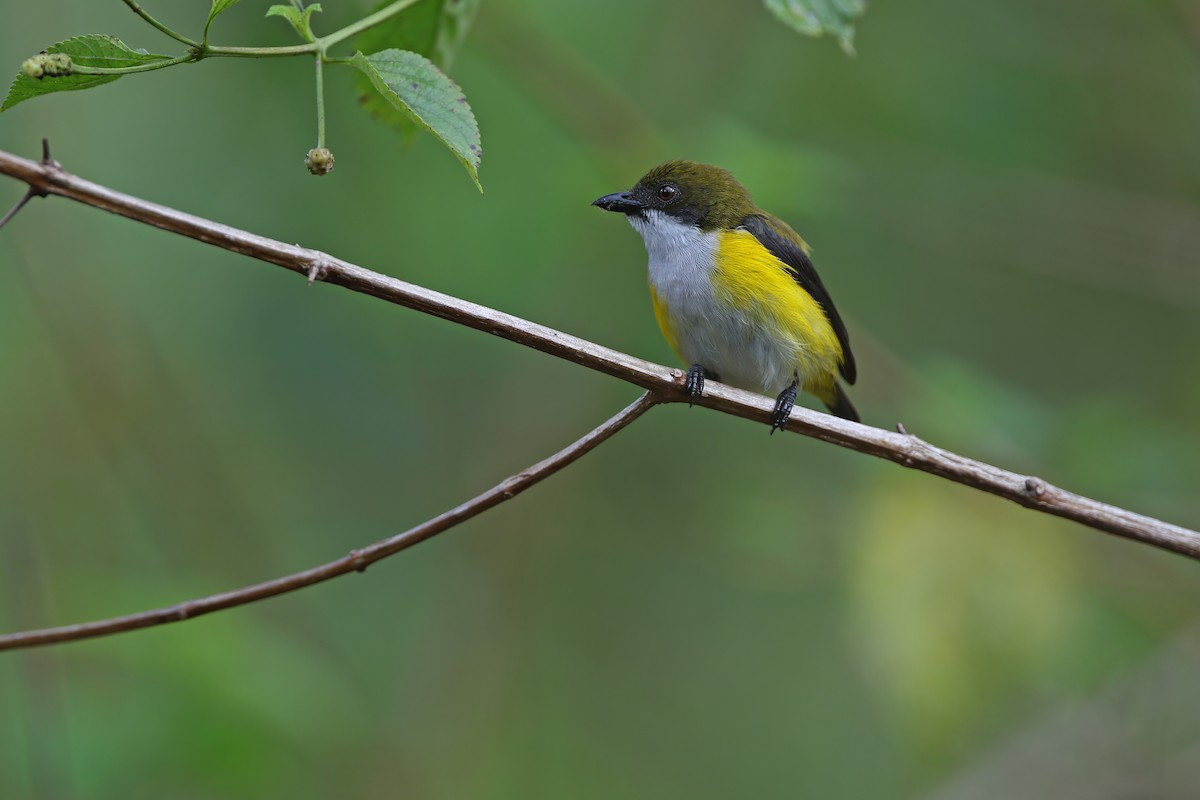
x: 319, y: 161
x: 47, y: 65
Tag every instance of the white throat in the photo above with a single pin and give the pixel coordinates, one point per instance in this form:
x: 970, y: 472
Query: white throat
x: 681, y: 255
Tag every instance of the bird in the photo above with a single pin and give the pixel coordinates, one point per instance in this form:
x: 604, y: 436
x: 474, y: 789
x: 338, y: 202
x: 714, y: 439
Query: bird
x: 734, y: 290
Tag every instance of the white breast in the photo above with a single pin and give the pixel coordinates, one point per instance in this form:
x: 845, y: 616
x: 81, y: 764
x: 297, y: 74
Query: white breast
x: 681, y: 260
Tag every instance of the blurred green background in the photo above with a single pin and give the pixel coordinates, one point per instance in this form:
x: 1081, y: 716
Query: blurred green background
x: 1004, y: 199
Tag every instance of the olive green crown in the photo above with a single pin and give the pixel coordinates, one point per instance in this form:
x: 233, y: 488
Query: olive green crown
x: 709, y: 197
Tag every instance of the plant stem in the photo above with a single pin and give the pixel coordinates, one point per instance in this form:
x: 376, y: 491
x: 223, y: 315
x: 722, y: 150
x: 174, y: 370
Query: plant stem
x: 262, y: 52
x: 321, y: 44
x: 320, y: 99
x: 141, y: 12
x: 79, y: 69
x: 203, y: 50
x: 366, y: 22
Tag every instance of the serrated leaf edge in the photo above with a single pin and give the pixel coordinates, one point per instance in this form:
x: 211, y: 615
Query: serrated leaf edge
x: 362, y: 63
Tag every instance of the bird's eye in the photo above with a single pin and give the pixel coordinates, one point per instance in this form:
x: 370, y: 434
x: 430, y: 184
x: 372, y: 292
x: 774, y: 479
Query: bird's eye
x: 667, y: 192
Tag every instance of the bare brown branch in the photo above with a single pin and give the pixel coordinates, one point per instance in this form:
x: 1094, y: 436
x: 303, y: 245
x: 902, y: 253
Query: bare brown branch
x: 355, y: 561
x: 31, y: 191
x: 666, y: 383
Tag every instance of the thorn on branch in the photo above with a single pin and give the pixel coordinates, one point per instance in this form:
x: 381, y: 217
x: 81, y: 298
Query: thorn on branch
x: 32, y: 191
x: 12, y: 212
x: 317, y: 270
x: 901, y: 429
x: 47, y: 161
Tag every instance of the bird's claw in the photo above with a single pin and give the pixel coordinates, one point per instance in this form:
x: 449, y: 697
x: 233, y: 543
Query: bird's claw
x: 694, y: 385
x: 783, y: 408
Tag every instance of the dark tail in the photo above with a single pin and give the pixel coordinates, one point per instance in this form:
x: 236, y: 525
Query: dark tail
x: 841, y: 405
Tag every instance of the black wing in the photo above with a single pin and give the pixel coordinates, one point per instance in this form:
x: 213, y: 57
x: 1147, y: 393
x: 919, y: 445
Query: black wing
x: 777, y: 237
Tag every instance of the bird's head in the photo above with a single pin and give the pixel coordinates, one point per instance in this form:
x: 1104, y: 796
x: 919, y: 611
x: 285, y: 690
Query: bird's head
x: 685, y: 192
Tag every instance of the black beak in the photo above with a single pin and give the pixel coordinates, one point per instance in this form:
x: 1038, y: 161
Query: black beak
x: 620, y: 201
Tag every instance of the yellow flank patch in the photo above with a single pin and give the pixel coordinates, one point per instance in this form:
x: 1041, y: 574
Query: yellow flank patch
x: 754, y: 281
x: 664, y: 322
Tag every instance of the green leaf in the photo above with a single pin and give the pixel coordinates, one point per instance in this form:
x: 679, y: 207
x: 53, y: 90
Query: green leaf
x: 818, y: 17
x: 289, y: 13
x: 433, y: 28
x: 301, y: 21
x: 93, y: 50
x: 412, y: 84
x: 218, y: 6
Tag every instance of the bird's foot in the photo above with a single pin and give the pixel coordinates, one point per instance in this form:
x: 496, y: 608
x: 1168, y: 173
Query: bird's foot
x: 783, y: 408
x: 694, y: 385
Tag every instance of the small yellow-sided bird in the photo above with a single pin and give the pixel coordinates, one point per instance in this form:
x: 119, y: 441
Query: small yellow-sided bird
x: 734, y: 290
